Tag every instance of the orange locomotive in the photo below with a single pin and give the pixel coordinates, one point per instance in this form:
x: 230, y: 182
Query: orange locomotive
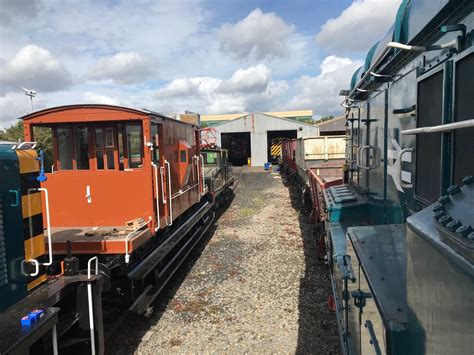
x: 113, y: 165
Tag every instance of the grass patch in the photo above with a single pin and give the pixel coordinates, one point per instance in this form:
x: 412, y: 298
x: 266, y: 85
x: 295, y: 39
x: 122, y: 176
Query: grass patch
x: 245, y: 212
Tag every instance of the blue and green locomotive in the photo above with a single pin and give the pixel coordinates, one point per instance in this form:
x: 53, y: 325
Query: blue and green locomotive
x: 400, y: 236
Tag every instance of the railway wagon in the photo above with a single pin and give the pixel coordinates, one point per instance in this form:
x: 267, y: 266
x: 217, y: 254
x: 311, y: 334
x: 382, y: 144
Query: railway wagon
x: 316, y: 163
x: 400, y: 241
x: 125, y: 203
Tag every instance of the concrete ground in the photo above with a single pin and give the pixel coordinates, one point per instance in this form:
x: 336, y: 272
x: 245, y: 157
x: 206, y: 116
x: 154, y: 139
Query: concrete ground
x: 254, y: 285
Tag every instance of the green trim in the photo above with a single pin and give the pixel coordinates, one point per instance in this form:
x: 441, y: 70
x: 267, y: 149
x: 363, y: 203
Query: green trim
x: 400, y: 31
x: 354, y: 78
x: 370, y: 56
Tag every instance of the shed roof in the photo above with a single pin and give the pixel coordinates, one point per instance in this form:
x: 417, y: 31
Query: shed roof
x: 335, y: 124
x: 264, y: 114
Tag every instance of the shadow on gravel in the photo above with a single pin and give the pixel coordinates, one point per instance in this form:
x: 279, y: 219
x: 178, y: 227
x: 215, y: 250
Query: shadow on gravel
x: 317, y: 327
x: 129, y: 336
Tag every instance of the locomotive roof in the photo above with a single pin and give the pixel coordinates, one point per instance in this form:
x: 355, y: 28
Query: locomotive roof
x: 141, y: 112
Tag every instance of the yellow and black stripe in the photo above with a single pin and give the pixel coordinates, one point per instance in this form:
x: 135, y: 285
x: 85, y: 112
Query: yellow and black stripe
x: 32, y: 212
x: 275, y: 147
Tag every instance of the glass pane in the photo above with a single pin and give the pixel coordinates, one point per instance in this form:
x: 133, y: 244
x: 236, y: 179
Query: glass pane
x: 109, y: 138
x: 134, y: 145
x: 110, y: 160
x: 65, y: 148
x: 81, y: 144
x: 154, y: 139
x: 120, y: 146
x: 182, y: 156
x: 99, y: 138
x: 99, y: 156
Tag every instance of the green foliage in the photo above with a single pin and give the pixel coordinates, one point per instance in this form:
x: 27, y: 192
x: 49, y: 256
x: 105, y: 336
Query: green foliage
x: 308, y: 120
x: 42, y: 135
x: 325, y: 118
x: 13, y: 134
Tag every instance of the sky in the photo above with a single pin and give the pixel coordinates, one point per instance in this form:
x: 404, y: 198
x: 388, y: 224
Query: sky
x: 209, y: 56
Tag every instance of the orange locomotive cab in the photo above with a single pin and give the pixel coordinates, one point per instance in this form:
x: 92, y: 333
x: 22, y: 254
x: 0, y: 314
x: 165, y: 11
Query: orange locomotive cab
x: 118, y: 175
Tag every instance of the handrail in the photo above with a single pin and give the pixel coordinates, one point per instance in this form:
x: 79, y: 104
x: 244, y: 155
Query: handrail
x: 89, y: 300
x: 155, y: 171
x: 196, y: 159
x: 358, y: 155
x: 48, y: 225
x: 202, y: 172
x: 129, y: 235
x: 359, y: 158
x: 17, y: 198
x: 19, y: 146
x: 399, y: 160
x: 36, y: 263
x: 170, y: 207
x: 89, y: 267
x: 179, y: 193
x: 440, y: 128
x: 162, y: 185
x: 373, y: 338
x: 384, y: 52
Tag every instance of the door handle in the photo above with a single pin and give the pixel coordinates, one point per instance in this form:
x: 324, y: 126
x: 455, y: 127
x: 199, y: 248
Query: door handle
x: 88, y: 194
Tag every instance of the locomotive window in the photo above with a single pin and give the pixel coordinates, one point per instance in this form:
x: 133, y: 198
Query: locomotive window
x: 109, y: 138
x: 81, y: 145
x: 210, y: 158
x: 121, y: 153
x: 99, y: 138
x: 464, y: 107
x: 110, y: 159
x: 155, y: 141
x: 65, y: 147
x: 428, y: 146
x: 134, y: 145
x: 99, y: 157
x: 182, y: 156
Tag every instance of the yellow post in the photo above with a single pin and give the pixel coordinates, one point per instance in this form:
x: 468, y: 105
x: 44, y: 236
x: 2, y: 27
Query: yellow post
x: 249, y: 161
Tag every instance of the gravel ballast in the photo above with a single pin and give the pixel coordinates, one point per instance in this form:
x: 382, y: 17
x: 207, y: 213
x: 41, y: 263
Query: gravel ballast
x: 253, y: 285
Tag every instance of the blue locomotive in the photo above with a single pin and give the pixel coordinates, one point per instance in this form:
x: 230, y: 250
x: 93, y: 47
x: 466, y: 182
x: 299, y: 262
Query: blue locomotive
x: 398, y: 232
x: 400, y: 229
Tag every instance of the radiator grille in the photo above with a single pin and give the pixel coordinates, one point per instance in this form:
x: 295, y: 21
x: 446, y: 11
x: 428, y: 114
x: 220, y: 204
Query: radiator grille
x: 428, y: 146
x: 464, y: 108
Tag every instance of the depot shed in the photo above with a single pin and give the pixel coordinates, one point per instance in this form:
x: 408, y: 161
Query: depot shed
x: 257, y: 136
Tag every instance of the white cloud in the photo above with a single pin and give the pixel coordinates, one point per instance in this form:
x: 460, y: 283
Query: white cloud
x: 251, y: 80
x: 12, y: 106
x: 321, y: 92
x: 124, y: 68
x: 188, y: 87
x: 93, y: 98
x: 259, y: 35
x: 35, y: 68
x: 359, y: 26
x: 249, y: 89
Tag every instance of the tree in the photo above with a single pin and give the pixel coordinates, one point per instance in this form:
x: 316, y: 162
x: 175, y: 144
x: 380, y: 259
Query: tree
x: 12, y: 134
x: 325, y: 118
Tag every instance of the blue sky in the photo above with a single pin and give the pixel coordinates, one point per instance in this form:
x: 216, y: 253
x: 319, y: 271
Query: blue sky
x: 206, y: 56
